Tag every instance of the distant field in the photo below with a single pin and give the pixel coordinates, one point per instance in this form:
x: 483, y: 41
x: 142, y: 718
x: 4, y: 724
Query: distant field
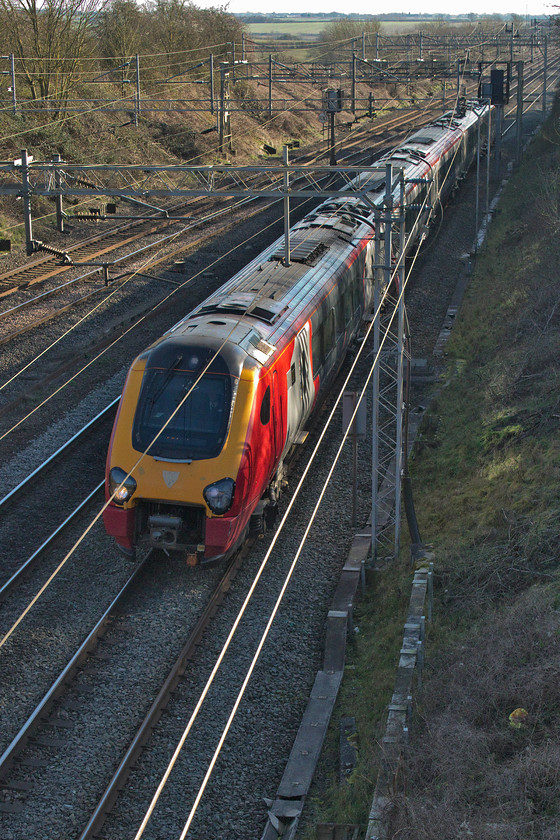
x: 309, y: 29
x: 304, y: 29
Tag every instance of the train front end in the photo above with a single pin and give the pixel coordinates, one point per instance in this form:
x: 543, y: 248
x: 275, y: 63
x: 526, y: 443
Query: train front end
x: 177, y: 467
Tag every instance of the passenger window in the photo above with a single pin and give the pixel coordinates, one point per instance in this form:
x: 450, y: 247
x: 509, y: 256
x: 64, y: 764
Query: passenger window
x: 265, y: 407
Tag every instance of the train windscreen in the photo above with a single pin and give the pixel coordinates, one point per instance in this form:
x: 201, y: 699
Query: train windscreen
x: 187, y: 413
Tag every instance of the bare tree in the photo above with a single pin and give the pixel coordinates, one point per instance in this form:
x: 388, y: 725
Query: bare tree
x: 49, y: 38
x: 119, y: 29
x: 337, y: 37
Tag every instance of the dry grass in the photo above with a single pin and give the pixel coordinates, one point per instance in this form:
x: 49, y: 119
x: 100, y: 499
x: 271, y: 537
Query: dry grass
x: 493, y: 511
x: 470, y: 773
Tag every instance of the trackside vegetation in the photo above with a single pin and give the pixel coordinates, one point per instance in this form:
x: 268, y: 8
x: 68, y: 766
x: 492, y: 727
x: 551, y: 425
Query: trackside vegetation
x: 487, y: 493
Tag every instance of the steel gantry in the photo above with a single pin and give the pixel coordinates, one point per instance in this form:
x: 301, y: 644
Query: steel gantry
x: 389, y: 350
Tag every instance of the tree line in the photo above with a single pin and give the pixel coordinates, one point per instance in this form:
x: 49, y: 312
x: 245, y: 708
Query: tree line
x: 57, y: 42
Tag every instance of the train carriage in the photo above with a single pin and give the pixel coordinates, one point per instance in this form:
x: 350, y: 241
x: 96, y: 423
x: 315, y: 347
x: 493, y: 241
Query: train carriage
x: 210, y: 411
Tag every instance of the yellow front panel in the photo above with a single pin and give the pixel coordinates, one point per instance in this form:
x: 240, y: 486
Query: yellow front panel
x: 179, y: 482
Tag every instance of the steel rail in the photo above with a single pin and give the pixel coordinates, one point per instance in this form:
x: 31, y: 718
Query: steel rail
x: 131, y: 255
x: 148, y: 724
x: 8, y: 587
x: 396, y: 121
x: 36, y: 718
x: 98, y: 417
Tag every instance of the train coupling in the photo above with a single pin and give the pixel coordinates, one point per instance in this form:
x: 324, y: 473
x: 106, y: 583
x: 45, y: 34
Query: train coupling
x: 164, y: 530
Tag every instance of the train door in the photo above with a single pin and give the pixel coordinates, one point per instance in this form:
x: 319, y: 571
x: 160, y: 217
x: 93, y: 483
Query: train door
x: 368, y: 274
x: 300, y: 388
x: 277, y: 414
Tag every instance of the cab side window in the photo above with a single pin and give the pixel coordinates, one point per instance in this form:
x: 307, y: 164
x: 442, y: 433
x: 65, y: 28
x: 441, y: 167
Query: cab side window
x: 265, y: 407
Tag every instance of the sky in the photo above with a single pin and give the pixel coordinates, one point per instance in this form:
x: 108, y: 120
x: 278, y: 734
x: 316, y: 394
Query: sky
x: 372, y: 7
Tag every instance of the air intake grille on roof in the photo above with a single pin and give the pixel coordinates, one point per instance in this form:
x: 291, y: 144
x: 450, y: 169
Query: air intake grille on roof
x: 305, y: 251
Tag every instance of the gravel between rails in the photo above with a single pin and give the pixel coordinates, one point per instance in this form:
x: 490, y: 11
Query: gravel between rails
x: 109, y: 699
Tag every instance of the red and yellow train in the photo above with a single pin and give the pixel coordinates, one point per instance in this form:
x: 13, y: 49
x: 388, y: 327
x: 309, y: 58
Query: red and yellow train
x: 210, y: 411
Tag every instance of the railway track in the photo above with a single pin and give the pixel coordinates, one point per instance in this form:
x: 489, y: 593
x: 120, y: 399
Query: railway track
x: 37, y: 311
x: 41, y: 269
x: 38, y: 508
x: 24, y: 491
x: 57, y: 715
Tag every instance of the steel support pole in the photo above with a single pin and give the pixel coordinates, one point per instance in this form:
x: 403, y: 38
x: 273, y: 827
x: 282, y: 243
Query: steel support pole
x: 26, y: 197
x: 378, y: 280
x: 519, y: 113
x: 286, y: 207
x: 242, y: 46
x: 212, y: 105
x: 332, y: 160
x: 211, y: 80
x: 353, y: 82
x: 270, y: 86
x: 377, y: 46
x: 386, y: 280
x: 488, y: 159
x: 233, y: 61
x: 58, y: 185
x: 137, y: 103
x: 498, y: 143
x: 223, y: 117
x: 400, y: 375
x: 363, y: 46
x: 477, y: 201
x: 545, y: 73
x: 13, y: 75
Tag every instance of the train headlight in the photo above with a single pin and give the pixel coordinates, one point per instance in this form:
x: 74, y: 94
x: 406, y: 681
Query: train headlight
x: 121, y: 485
x: 219, y: 496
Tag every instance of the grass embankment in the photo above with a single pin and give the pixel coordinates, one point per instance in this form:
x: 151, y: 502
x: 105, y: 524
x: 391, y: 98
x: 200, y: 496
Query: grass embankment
x: 487, y: 491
